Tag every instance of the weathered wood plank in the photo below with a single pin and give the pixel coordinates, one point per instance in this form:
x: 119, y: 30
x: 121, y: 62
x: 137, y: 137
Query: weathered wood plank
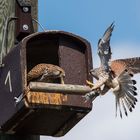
x: 34, y: 4
x: 7, y: 9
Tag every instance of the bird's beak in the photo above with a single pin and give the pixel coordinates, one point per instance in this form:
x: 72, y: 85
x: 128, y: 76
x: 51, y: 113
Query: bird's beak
x: 91, y: 72
x: 64, y: 75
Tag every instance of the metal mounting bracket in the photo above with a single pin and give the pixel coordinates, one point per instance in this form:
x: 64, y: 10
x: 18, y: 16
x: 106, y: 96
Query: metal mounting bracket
x: 24, y: 25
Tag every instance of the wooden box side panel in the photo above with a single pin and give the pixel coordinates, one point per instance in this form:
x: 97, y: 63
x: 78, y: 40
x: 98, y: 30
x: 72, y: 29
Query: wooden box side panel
x: 10, y: 84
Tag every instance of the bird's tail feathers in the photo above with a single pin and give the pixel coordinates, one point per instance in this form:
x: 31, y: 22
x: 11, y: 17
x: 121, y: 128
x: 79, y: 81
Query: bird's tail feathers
x: 125, y: 96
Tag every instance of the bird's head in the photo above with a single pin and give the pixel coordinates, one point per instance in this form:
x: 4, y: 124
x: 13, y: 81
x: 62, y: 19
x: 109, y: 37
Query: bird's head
x: 95, y: 73
x: 54, y: 72
x: 59, y: 73
x: 104, y: 48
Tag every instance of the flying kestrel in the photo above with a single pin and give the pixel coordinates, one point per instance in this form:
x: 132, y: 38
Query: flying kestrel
x: 116, y: 75
x: 46, y: 73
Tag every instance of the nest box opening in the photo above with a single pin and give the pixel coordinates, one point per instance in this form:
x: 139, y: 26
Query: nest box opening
x: 42, y: 49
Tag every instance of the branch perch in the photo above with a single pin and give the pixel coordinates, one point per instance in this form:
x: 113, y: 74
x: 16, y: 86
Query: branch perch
x: 59, y: 88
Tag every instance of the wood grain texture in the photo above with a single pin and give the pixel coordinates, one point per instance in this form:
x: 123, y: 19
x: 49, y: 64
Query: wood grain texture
x: 7, y: 9
x: 34, y: 4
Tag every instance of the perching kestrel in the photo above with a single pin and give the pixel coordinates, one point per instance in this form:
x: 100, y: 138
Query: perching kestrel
x: 116, y: 75
x: 46, y: 73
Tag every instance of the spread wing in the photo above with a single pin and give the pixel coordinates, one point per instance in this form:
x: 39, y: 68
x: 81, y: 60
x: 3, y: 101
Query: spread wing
x: 131, y: 64
x: 104, y: 49
x: 108, y: 33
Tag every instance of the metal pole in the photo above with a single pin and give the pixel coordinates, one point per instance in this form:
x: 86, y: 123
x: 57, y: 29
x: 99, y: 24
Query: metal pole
x: 59, y: 88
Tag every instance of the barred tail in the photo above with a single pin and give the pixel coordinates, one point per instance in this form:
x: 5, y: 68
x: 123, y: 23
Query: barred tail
x: 125, y: 95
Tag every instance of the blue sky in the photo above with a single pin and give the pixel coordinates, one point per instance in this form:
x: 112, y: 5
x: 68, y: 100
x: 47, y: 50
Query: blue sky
x: 89, y: 19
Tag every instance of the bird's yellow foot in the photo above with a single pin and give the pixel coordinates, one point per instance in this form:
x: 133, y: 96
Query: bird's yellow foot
x: 62, y: 80
x: 90, y: 84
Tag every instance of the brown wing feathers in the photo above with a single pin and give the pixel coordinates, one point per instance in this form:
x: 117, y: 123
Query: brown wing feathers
x: 131, y: 64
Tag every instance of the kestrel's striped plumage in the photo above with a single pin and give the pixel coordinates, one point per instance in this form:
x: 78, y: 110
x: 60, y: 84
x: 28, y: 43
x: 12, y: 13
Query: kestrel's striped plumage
x: 131, y: 64
x: 116, y: 75
x: 46, y: 73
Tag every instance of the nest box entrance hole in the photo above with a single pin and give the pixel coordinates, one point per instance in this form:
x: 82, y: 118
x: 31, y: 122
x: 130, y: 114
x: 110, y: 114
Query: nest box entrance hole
x: 42, y: 49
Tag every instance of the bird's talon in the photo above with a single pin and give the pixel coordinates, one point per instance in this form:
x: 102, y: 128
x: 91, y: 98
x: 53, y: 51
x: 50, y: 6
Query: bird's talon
x: 90, y: 84
x: 62, y: 81
x: 85, y: 100
x: 86, y: 97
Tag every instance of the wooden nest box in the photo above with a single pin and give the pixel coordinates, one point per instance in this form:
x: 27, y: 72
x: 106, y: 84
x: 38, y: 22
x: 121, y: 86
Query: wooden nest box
x: 24, y: 111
